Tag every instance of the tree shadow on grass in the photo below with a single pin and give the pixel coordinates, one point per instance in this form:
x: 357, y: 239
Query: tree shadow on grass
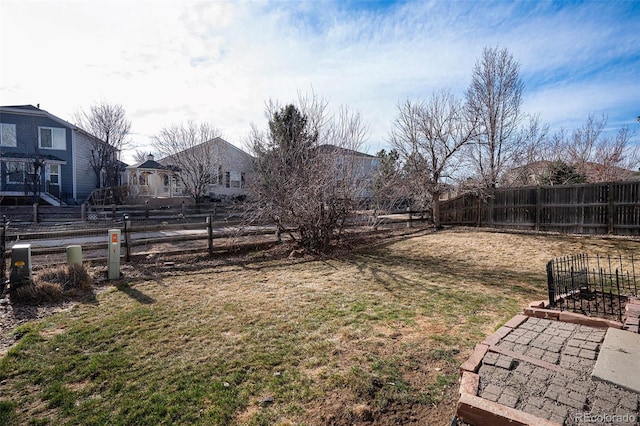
x: 136, y: 294
x: 384, y: 267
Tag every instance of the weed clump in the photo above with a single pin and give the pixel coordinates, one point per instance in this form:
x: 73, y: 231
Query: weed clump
x: 51, y: 284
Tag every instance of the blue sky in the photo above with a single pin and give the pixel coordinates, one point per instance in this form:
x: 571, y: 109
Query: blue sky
x: 170, y: 61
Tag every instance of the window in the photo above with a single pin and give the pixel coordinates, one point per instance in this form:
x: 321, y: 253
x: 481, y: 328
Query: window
x: 53, y: 171
x: 53, y: 138
x: 15, y: 172
x: 219, y: 175
x: 234, y: 178
x: 8, y: 134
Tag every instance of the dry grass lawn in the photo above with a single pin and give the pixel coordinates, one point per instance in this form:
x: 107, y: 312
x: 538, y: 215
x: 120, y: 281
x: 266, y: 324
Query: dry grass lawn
x: 374, y: 336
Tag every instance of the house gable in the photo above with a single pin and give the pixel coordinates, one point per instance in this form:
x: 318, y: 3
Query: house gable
x: 43, y: 137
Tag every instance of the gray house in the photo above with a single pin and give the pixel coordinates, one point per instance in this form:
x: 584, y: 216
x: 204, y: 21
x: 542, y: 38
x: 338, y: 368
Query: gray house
x: 229, y: 168
x: 43, y: 158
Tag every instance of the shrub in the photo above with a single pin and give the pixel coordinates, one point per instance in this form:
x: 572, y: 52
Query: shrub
x: 50, y: 284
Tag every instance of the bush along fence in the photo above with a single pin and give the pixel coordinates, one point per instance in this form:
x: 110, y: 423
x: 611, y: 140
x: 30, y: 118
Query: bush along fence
x: 602, y: 208
x: 597, y: 286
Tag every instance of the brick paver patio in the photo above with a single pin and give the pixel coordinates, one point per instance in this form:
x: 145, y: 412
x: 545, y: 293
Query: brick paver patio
x: 538, y: 371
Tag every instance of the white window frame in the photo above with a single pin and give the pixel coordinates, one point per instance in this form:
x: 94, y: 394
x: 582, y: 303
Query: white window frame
x: 58, y: 138
x: 8, y: 135
x: 48, y: 174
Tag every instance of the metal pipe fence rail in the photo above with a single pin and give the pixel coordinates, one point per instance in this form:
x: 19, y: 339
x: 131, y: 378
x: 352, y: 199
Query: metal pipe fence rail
x: 597, y: 286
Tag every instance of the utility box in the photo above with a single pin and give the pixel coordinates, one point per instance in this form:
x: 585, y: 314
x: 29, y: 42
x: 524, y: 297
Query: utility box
x: 21, y: 272
x: 113, y: 271
x: 74, y: 255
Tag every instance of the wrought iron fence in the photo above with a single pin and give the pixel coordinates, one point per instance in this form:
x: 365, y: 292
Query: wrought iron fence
x: 593, y: 286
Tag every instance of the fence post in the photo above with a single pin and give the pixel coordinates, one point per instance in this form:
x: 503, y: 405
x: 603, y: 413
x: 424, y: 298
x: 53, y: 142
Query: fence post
x: 183, y: 212
x: 146, y: 214
x: 210, y: 234
x: 127, y: 231
x: 492, y: 205
x: 113, y: 211
x: 550, y: 284
x: 83, y: 212
x: 610, y: 207
x: 409, y: 224
x: 3, y: 252
x: 35, y: 213
x: 538, y: 206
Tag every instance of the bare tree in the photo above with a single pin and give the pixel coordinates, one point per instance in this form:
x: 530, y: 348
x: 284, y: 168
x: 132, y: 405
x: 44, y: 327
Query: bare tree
x: 530, y: 162
x: 494, y: 99
x: 109, y: 125
x: 429, y: 137
x: 193, y: 151
x: 389, y: 189
x: 306, y: 172
x: 601, y: 157
x: 141, y: 156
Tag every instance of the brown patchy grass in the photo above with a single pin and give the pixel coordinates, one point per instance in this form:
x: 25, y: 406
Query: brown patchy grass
x: 374, y: 336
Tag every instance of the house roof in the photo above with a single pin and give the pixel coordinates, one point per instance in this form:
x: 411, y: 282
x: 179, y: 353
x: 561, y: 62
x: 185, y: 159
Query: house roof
x: 334, y: 149
x: 23, y: 107
x: 27, y: 156
x: 218, y: 140
x: 148, y: 164
x: 32, y: 110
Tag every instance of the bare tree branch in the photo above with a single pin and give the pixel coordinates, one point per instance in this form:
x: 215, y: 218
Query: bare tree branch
x: 307, y: 172
x: 429, y: 138
x: 494, y: 99
x: 192, y: 150
x: 109, y: 125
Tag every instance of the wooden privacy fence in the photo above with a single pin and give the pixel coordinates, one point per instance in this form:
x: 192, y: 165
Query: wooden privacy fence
x: 601, y: 208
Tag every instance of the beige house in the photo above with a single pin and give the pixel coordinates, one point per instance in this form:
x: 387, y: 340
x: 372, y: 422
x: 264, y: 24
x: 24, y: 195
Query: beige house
x: 229, y: 170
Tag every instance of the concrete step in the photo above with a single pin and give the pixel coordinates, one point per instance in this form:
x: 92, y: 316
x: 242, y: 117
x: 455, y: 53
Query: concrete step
x: 619, y: 360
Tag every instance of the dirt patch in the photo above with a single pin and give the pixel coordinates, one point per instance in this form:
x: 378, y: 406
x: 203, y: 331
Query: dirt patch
x: 594, y: 304
x: 13, y: 315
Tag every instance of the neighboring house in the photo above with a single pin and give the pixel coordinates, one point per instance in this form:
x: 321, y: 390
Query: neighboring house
x: 545, y: 172
x: 233, y: 171
x: 43, y: 158
x: 151, y: 179
x: 363, y: 167
x: 229, y: 168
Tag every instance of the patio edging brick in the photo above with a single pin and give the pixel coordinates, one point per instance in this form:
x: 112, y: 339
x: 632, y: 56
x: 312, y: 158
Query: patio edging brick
x: 472, y: 364
x: 476, y: 410
x: 571, y: 317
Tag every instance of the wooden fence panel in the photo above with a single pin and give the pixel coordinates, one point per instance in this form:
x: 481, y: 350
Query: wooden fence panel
x: 626, y: 208
x: 514, y: 208
x: 461, y: 210
x: 600, y: 208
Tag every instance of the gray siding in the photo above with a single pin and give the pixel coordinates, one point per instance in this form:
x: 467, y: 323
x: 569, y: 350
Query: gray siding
x: 232, y: 159
x: 86, y: 180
